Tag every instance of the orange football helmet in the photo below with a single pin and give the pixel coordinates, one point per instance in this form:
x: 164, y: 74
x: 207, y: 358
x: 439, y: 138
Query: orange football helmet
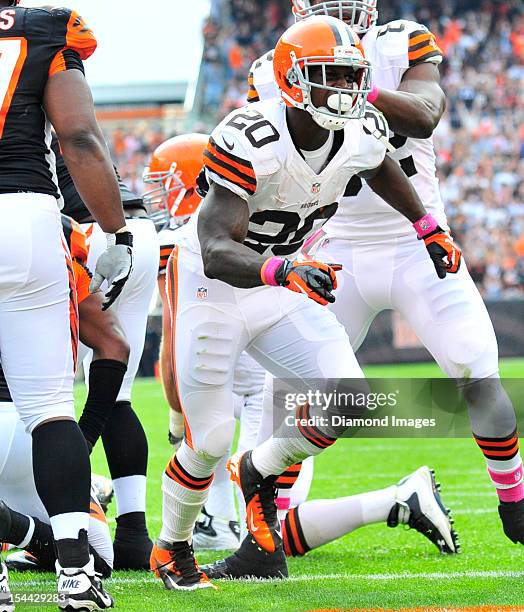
x: 361, y: 15
x: 173, y: 170
x: 322, y: 41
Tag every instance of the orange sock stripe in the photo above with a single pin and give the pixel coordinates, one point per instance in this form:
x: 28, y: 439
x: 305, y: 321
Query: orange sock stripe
x: 295, y: 544
x: 176, y: 472
x: 96, y: 512
x: 312, y: 434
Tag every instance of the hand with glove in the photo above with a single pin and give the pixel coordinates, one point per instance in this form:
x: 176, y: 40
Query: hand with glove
x: 114, y: 265
x: 444, y: 253
x: 315, y: 279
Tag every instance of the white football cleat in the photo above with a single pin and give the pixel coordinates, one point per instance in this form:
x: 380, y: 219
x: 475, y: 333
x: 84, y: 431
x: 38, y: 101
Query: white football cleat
x: 419, y: 505
x: 214, y: 533
x: 81, y: 588
x: 6, y: 599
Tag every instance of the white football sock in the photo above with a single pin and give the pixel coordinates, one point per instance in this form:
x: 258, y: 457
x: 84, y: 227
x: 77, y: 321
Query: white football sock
x: 325, y: 520
x: 69, y: 524
x: 276, y: 454
x: 182, y: 503
x: 176, y: 424
x: 130, y: 493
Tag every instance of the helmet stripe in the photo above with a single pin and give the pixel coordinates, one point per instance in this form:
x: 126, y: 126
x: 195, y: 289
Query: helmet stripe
x: 336, y: 33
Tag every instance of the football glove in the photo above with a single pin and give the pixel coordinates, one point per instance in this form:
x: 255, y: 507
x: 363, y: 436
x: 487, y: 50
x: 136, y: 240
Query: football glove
x: 114, y: 266
x: 315, y: 279
x: 445, y: 254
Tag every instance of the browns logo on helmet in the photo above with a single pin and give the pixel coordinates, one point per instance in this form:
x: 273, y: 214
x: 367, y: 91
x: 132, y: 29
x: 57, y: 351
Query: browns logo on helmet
x: 361, y: 15
x: 172, y: 172
x: 322, y: 42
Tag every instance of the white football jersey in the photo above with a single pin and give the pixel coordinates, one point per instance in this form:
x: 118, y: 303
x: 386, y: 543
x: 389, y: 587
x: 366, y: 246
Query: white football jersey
x: 251, y: 153
x: 392, y: 49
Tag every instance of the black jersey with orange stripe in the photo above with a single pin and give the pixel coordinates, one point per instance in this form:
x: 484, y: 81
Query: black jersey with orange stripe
x: 35, y: 44
x: 74, y: 206
x: 5, y: 394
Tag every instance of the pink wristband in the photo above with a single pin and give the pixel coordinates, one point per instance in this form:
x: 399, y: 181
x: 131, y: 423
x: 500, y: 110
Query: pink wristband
x: 373, y: 94
x: 425, y: 225
x: 269, y: 269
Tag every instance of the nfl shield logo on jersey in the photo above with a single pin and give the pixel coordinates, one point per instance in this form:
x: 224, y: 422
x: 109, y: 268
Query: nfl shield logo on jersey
x: 315, y: 188
x: 201, y: 293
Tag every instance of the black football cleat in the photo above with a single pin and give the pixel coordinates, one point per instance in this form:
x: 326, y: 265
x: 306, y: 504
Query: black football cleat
x: 259, y: 494
x: 512, y: 517
x: 248, y: 562
x: 177, y: 567
x: 419, y: 505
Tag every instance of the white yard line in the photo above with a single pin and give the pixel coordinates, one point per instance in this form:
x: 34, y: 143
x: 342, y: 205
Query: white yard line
x: 503, y: 575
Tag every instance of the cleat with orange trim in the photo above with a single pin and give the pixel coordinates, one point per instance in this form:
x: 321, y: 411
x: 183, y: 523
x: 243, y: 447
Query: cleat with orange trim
x: 512, y: 517
x: 176, y: 565
x: 419, y: 505
x: 259, y: 494
x: 249, y: 561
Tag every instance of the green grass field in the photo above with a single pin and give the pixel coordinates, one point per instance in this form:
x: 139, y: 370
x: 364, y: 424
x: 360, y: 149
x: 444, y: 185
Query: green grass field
x: 375, y: 567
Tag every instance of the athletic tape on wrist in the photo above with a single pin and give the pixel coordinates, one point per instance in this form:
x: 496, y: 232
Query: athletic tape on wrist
x: 425, y: 225
x: 269, y: 269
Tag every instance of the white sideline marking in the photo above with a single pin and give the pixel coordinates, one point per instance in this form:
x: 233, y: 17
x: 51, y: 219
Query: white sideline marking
x: 378, y: 577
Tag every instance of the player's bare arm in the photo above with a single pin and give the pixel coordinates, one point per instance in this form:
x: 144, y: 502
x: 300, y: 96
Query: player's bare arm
x: 69, y: 106
x: 222, y: 228
x: 416, y: 108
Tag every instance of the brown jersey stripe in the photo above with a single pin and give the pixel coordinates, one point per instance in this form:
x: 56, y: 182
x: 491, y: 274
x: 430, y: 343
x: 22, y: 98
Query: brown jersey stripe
x: 424, y: 55
x: 227, y: 174
x: 416, y: 41
x: 246, y: 165
x: 414, y: 35
x: 242, y: 165
x: 244, y: 173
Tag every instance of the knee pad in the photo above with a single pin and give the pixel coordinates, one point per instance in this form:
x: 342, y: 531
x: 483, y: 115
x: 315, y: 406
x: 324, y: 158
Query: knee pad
x: 211, y: 355
x: 217, y: 440
x: 473, y: 353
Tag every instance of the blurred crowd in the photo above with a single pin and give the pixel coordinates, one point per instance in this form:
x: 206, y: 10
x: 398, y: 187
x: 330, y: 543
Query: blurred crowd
x: 479, y: 142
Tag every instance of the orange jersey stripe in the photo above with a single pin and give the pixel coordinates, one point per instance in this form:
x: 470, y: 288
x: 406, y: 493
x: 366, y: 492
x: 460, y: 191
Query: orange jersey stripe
x: 13, y: 82
x: 79, y: 37
x: 244, y: 169
x: 58, y: 64
x: 233, y: 178
x: 414, y: 55
x: 420, y: 38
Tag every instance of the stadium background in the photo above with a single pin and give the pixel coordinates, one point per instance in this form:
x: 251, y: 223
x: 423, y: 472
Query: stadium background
x: 479, y: 142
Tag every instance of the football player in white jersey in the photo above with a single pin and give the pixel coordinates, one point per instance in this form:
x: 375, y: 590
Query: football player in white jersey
x: 385, y: 267
x: 173, y: 197
x: 277, y: 171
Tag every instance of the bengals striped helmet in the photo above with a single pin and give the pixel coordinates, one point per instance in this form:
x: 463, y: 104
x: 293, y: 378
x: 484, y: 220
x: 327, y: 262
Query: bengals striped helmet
x: 361, y: 15
x: 322, y: 42
x: 172, y: 172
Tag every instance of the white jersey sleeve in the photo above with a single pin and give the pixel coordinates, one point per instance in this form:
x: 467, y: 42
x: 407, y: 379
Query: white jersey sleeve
x: 397, y: 46
x: 237, y: 157
x: 261, y: 79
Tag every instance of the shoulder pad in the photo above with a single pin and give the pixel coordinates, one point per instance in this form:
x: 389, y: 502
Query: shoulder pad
x: 78, y: 36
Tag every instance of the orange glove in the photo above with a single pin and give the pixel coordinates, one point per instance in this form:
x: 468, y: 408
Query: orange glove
x: 313, y: 278
x: 444, y: 253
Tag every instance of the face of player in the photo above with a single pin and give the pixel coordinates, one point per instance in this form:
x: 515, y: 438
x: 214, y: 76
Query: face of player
x: 342, y: 77
x: 347, y: 14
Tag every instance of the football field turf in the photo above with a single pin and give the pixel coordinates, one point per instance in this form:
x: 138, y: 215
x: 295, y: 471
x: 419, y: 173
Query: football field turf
x: 374, y: 567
